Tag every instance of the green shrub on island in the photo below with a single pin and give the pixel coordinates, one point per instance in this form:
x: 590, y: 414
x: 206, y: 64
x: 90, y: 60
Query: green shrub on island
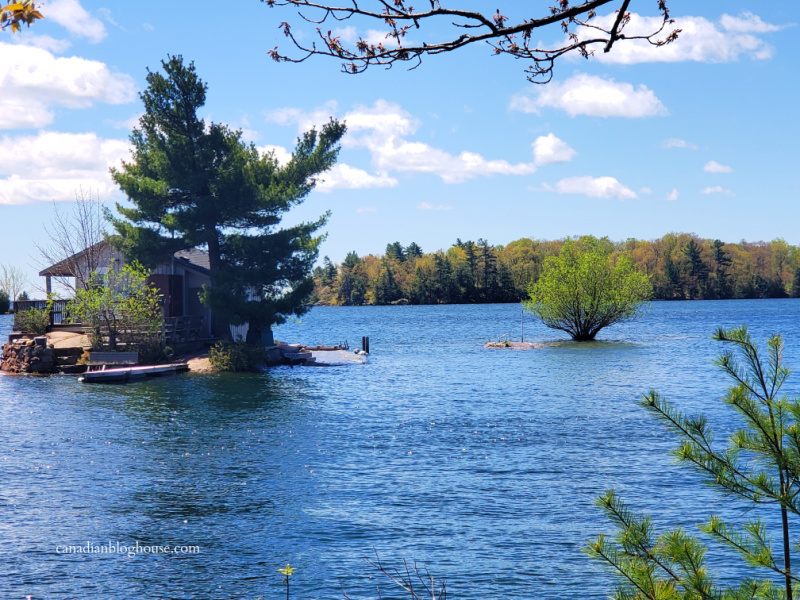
x: 586, y: 288
x: 33, y: 320
x: 236, y: 357
x: 120, y: 308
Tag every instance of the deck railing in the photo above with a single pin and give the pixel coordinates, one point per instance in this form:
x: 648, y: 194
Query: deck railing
x: 58, y: 310
x: 176, y: 329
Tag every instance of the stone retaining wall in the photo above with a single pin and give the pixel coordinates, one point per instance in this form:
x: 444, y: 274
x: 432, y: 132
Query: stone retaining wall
x: 28, y: 356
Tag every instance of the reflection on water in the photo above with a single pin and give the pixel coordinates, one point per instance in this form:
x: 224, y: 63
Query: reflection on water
x: 480, y: 463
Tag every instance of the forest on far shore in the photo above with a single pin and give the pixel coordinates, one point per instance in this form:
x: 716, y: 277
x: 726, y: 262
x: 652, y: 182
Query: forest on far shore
x: 681, y: 266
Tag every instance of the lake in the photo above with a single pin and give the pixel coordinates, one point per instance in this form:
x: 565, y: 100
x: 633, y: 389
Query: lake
x: 482, y: 465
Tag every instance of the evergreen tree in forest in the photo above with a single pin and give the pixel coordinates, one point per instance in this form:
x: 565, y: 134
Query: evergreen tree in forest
x: 197, y: 184
x: 425, y: 286
x: 413, y: 250
x: 352, y: 283
x: 722, y: 261
x: 395, y: 251
x: 385, y: 288
x: 697, y: 269
x: 447, y: 285
x: 488, y: 261
x: 328, y: 272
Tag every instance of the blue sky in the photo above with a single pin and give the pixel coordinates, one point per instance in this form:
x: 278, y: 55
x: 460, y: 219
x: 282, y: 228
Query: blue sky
x: 700, y: 136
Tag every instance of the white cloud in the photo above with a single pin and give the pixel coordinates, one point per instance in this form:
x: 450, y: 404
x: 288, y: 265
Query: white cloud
x: 700, y: 40
x: 747, y: 22
x: 382, y: 130
x: 282, y: 155
x: 678, y: 143
x: 673, y: 195
x: 33, y: 81
x: 345, y: 177
x: 105, y: 13
x: 303, y: 120
x: 428, y: 206
x: 127, y: 124
x: 366, y: 209
x: 45, y: 42
x: 595, y: 187
x: 645, y: 190
x: 51, y: 166
x: 594, y: 96
x: 549, y: 149
x: 71, y: 15
x: 717, y: 189
x: 713, y: 166
x: 340, y: 176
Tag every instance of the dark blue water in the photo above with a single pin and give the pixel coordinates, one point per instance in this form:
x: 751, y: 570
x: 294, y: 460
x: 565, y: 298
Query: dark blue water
x: 480, y: 464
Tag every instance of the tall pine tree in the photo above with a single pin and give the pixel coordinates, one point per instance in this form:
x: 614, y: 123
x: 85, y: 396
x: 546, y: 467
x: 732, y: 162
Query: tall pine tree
x: 194, y: 184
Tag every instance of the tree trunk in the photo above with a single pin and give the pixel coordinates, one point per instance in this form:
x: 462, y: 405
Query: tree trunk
x: 253, y: 333
x: 218, y: 328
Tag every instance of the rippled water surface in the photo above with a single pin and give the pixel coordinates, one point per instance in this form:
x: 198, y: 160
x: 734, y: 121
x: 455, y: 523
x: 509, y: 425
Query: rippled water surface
x: 480, y: 464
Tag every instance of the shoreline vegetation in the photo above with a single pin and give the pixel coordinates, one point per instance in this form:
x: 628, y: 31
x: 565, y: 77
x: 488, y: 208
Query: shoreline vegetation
x: 681, y: 266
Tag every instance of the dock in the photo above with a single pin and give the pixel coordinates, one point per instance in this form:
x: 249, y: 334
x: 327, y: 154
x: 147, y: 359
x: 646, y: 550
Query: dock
x: 124, y: 374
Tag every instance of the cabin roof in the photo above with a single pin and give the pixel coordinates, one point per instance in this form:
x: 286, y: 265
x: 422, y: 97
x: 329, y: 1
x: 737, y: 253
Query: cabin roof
x: 64, y: 268
x: 195, y: 259
x: 192, y: 258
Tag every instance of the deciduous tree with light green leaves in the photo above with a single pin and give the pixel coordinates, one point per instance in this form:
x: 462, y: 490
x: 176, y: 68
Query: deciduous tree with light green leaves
x: 586, y: 288
x: 759, y: 464
x: 120, y: 307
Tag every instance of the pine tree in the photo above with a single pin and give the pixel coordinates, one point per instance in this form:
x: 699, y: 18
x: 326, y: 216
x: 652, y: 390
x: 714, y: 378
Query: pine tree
x: 697, y: 269
x: 761, y: 464
x: 413, y: 250
x: 198, y: 184
x: 395, y: 251
x: 722, y: 259
x: 385, y: 287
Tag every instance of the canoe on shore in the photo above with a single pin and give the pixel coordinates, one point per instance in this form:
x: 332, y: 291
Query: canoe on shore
x: 123, y: 374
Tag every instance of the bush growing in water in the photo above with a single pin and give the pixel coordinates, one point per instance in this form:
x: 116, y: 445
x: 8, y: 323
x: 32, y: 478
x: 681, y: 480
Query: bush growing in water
x: 236, y: 357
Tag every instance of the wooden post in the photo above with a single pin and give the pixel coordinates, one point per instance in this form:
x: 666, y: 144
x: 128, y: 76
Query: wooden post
x: 48, y: 285
x: 365, y: 343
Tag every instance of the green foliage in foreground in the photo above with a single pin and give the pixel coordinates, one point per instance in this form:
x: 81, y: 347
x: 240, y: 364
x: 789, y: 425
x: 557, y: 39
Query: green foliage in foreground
x: 584, y: 289
x: 120, y: 307
x: 759, y: 464
x: 236, y: 357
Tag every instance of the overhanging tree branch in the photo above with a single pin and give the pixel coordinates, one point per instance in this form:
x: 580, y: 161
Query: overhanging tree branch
x: 469, y: 27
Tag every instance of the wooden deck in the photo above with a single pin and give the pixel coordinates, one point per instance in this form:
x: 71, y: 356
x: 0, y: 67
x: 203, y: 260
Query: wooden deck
x: 125, y: 374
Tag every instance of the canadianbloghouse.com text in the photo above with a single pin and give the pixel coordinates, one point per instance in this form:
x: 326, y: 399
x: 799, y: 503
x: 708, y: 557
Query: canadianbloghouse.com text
x: 126, y: 549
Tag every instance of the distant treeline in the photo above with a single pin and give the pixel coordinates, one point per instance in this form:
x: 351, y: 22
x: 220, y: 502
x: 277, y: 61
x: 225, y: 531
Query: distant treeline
x: 681, y: 266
